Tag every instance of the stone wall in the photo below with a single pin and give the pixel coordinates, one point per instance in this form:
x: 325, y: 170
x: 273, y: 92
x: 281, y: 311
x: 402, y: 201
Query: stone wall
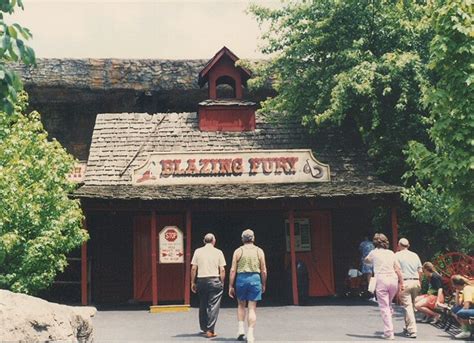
x: 144, y: 74
x: 69, y: 93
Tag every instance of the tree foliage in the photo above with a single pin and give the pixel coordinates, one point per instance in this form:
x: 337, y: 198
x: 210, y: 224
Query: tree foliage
x: 443, y: 193
x: 12, y: 49
x: 39, y: 224
x: 357, y: 62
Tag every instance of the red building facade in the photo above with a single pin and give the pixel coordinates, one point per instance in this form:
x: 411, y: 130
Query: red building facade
x: 220, y: 168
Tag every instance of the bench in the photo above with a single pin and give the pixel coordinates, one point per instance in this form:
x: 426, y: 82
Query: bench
x: 447, y: 265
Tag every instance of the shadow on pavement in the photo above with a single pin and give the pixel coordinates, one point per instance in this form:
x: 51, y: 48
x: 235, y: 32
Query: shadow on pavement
x: 216, y: 339
x: 376, y: 335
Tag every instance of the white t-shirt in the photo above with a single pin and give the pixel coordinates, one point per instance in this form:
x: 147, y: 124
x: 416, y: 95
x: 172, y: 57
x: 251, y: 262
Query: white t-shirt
x: 410, y: 264
x: 383, y: 261
x: 208, y: 260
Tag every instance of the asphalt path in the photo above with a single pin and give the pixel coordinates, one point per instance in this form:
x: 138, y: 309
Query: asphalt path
x: 346, y: 321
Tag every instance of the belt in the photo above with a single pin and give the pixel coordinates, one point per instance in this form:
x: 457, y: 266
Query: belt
x: 411, y: 279
x: 208, y: 277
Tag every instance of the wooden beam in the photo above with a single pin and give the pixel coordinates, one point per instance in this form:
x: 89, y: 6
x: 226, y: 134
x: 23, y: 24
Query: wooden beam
x: 154, y: 276
x: 84, y: 274
x: 294, y: 281
x: 209, y: 205
x: 394, y: 228
x: 187, y: 260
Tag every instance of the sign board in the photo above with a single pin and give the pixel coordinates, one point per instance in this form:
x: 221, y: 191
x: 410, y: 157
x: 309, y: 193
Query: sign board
x: 171, y: 247
x: 302, y: 235
x: 258, y: 166
x: 78, y: 172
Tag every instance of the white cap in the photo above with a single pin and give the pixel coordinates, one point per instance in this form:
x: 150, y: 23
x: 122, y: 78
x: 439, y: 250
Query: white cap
x: 404, y: 242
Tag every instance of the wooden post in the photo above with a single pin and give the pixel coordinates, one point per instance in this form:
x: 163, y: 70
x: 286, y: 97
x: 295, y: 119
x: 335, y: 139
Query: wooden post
x: 154, y: 277
x: 294, y: 281
x: 394, y: 229
x: 84, y: 274
x: 187, y: 260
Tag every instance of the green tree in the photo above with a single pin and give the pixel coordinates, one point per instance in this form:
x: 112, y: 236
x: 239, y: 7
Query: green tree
x: 444, y: 189
x: 39, y: 223
x: 12, y: 49
x: 357, y: 64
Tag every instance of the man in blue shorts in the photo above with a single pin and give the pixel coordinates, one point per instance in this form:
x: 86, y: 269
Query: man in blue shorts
x: 249, y: 272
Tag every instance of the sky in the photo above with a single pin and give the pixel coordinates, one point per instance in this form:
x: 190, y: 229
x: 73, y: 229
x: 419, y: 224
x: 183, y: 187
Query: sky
x: 168, y: 29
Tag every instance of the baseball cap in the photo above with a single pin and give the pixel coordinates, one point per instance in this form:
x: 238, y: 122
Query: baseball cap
x: 404, y: 242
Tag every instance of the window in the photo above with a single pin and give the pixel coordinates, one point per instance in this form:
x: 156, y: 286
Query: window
x: 225, y: 87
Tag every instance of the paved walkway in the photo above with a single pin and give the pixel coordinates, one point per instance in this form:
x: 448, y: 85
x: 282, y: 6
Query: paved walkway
x: 340, y: 322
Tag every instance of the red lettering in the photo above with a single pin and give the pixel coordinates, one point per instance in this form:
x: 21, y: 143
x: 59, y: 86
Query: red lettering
x: 166, y: 168
x: 192, y: 168
x: 279, y: 162
x: 215, y: 166
x: 292, y: 162
x: 254, y: 164
x: 226, y: 166
x: 177, y: 168
x: 205, y: 169
x: 267, y: 164
x: 237, y: 166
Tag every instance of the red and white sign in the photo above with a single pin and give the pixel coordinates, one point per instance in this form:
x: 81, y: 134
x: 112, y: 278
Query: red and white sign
x: 78, y: 172
x: 171, y: 245
x: 258, y: 166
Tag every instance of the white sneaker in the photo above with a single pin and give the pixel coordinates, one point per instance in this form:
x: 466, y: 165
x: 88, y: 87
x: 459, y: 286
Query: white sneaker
x: 463, y: 334
x: 390, y: 337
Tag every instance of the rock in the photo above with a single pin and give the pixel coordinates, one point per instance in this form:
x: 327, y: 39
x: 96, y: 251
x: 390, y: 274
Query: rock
x: 28, y: 319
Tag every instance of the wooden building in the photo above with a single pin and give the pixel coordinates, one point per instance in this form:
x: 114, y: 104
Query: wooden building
x: 151, y: 178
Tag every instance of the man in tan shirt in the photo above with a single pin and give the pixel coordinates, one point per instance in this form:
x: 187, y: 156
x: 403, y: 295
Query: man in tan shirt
x: 410, y: 266
x: 207, y: 279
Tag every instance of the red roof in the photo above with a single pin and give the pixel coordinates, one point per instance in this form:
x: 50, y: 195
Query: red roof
x: 203, y: 74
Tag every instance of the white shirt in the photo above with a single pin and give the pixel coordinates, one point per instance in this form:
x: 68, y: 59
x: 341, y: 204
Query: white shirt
x: 410, y: 263
x: 383, y: 261
x: 208, y: 260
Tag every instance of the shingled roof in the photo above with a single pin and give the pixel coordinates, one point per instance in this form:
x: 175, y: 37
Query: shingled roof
x: 122, y: 142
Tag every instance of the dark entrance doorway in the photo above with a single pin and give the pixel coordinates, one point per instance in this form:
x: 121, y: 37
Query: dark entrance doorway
x: 111, y: 257
x: 269, y: 231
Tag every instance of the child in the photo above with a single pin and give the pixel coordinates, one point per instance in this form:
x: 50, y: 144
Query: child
x: 353, y: 280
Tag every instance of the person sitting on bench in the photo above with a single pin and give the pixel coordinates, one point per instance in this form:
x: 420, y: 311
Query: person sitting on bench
x: 426, y: 303
x: 464, y: 308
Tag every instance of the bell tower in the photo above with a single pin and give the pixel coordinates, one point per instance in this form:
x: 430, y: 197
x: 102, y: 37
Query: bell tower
x: 225, y: 109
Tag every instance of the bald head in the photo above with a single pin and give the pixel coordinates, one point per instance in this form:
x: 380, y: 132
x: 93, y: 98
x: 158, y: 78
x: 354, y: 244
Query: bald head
x: 403, y: 243
x: 248, y: 236
x: 209, y: 238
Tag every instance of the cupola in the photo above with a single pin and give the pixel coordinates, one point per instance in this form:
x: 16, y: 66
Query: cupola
x: 225, y: 109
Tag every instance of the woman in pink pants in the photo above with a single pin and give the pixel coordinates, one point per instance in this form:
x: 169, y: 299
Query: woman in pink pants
x: 389, y: 280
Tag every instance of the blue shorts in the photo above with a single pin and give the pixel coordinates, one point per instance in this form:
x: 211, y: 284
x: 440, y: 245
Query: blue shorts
x: 248, y: 286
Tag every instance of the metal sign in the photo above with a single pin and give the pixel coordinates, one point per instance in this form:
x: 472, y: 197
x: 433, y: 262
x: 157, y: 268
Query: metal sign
x: 259, y: 166
x: 171, y: 248
x: 302, y: 234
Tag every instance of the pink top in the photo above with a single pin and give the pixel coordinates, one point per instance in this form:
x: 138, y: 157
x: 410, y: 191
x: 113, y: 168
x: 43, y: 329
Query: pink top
x: 383, y: 260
